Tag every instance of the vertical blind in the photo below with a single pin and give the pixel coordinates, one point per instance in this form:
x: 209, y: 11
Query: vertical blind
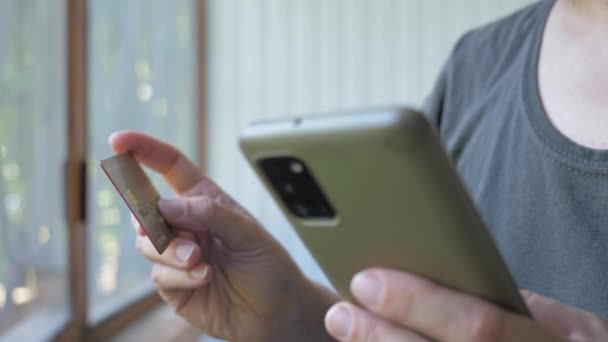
x: 278, y: 58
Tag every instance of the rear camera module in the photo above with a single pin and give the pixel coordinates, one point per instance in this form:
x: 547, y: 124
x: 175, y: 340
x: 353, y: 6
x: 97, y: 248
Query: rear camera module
x: 296, y: 187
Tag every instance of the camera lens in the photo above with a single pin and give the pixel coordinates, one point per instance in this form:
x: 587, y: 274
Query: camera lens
x: 296, y: 167
x: 288, y: 188
x: 300, y: 209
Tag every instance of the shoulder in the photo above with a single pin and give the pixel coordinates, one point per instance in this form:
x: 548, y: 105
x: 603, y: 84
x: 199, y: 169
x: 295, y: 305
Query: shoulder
x: 497, y: 44
x: 482, y: 57
x: 510, y: 27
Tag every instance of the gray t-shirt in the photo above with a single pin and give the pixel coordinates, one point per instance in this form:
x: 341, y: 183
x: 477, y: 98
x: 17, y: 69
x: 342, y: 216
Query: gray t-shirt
x: 544, y: 197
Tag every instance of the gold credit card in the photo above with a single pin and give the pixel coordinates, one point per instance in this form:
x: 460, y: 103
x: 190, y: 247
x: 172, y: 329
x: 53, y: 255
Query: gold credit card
x: 141, y: 197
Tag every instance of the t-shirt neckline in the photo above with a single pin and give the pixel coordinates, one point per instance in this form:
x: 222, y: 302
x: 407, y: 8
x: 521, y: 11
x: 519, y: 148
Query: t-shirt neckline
x: 559, y: 145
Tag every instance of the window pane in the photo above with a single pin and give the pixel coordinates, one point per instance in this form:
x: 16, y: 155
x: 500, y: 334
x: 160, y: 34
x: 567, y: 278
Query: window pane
x: 33, y: 281
x: 141, y: 76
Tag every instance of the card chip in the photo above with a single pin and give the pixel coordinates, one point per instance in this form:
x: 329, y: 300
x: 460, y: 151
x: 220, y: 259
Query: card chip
x: 141, y: 197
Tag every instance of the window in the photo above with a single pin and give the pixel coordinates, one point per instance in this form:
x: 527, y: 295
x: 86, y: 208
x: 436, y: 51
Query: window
x: 141, y: 76
x: 33, y: 266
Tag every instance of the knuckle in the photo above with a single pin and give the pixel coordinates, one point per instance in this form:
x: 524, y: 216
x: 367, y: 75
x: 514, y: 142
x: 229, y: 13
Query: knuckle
x: 595, y: 328
x: 372, y: 334
x: 139, y: 245
x: 204, y: 207
x: 359, y: 329
x: 366, y: 328
x: 387, y: 297
x: 486, y: 326
x: 402, y: 299
x: 155, y: 275
x: 187, y: 208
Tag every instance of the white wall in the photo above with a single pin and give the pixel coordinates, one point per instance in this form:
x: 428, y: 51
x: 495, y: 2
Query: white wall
x: 274, y: 58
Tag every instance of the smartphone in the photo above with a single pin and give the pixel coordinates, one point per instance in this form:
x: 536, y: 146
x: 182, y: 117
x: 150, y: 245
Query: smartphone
x: 376, y: 188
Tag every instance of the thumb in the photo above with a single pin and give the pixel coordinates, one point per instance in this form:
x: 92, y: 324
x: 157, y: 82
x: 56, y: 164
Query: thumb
x: 566, y: 321
x: 203, y: 214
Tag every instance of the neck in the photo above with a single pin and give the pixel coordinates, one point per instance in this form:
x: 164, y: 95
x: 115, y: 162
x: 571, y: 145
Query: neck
x: 590, y: 14
x: 572, y: 71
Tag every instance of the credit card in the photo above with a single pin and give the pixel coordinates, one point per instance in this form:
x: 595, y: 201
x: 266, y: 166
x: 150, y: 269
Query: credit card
x: 141, y: 197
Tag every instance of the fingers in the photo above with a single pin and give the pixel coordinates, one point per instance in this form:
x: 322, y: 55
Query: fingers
x: 139, y: 230
x: 137, y: 227
x: 438, y: 312
x: 414, y: 302
x: 346, y: 322
x: 181, y: 253
x: 208, y: 215
x: 565, y: 321
x: 167, y: 277
x: 181, y: 173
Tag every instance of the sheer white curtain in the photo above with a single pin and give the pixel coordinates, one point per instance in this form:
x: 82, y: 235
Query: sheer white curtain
x: 277, y: 58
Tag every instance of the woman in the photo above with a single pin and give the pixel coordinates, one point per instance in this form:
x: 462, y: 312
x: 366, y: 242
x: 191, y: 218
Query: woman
x: 521, y: 107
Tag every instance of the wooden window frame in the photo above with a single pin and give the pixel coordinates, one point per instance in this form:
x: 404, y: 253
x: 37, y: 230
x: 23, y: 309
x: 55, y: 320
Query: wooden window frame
x: 74, y: 173
x: 78, y: 326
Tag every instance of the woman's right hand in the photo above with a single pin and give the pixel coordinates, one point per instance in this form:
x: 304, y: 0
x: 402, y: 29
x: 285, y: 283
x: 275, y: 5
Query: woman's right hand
x: 223, y: 273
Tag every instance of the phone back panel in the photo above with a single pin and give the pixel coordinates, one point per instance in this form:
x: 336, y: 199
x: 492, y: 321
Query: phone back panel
x: 398, y: 200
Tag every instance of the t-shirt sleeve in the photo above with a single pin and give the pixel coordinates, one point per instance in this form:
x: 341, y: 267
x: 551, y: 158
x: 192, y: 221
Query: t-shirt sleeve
x: 433, y: 104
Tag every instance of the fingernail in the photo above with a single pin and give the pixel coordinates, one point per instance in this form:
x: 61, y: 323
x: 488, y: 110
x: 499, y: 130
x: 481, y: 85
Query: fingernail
x: 183, y: 251
x: 111, y: 137
x: 367, y: 288
x: 199, y: 272
x: 339, y: 320
x: 134, y: 221
x: 170, y: 208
